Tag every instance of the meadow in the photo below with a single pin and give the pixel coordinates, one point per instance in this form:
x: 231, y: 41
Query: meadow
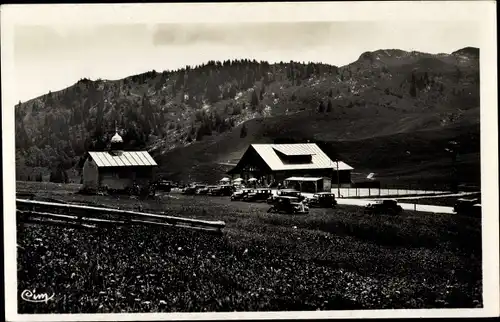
x: 330, y: 259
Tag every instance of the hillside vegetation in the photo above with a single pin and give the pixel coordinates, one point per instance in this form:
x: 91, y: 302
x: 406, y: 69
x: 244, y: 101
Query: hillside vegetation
x: 375, y: 112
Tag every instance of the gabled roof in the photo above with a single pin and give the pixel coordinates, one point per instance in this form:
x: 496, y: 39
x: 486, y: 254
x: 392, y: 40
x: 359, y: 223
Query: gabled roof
x: 124, y: 159
x: 319, y: 159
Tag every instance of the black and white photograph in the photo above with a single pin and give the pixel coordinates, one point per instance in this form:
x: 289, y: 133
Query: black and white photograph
x: 300, y: 160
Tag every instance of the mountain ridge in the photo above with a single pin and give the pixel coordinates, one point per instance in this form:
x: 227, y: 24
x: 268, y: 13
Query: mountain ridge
x: 383, y: 92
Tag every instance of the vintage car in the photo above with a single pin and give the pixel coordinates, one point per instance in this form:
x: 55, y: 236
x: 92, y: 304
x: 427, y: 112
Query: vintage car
x: 202, y: 190
x: 288, y: 205
x: 322, y: 200
x: 387, y: 206
x: 164, y: 185
x: 213, y: 190
x: 259, y: 194
x: 467, y: 206
x: 240, y: 194
x: 143, y: 191
x: 224, y: 190
x: 193, y: 189
x: 286, y: 192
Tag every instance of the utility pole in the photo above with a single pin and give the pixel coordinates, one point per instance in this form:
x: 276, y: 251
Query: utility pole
x: 453, y: 148
x: 338, y: 179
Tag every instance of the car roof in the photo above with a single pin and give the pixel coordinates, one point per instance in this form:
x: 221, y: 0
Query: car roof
x: 287, y: 197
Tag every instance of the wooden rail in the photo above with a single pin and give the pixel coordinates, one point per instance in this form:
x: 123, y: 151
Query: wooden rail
x: 29, y: 210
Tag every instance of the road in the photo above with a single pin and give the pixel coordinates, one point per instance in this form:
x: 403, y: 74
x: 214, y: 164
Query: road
x: 406, y: 206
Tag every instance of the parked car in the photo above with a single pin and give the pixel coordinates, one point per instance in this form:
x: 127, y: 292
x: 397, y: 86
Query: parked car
x: 286, y: 192
x: 288, y: 205
x: 202, y: 190
x: 164, y: 185
x: 387, y: 206
x: 476, y: 210
x: 189, y: 190
x: 192, y: 189
x: 322, y: 200
x: 213, y: 190
x: 468, y: 206
x: 260, y: 194
x: 240, y: 194
x: 225, y: 190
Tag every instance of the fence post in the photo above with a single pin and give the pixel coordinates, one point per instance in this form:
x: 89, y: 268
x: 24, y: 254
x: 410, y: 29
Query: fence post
x: 356, y: 191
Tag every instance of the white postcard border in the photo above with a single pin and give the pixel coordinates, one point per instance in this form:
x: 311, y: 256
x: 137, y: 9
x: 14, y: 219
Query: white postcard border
x: 481, y: 12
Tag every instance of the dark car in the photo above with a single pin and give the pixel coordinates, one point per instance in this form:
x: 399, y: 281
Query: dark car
x: 467, y: 206
x: 284, y: 193
x: 192, y: 189
x: 288, y: 205
x: 213, y: 190
x: 225, y: 190
x: 260, y: 194
x: 164, y: 185
x: 240, y: 194
x: 202, y: 190
x: 189, y: 190
x: 388, y: 206
x: 322, y: 200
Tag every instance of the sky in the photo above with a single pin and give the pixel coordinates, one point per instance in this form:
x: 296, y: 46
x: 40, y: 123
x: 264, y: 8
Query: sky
x: 52, y: 57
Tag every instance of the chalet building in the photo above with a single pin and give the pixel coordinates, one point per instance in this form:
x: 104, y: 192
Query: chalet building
x: 116, y: 169
x: 302, y: 166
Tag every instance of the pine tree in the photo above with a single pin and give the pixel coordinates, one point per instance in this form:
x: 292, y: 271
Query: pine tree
x: 321, y: 107
x: 243, y: 131
x: 255, y: 100
x: 329, y: 106
x: 413, y: 86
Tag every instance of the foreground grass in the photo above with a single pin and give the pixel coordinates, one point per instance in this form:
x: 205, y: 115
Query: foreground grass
x: 329, y: 259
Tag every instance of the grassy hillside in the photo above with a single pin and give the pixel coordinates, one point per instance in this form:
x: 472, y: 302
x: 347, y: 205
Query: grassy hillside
x: 400, y: 157
x: 192, y: 119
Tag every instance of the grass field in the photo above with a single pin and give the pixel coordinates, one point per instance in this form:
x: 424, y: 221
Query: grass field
x: 330, y: 259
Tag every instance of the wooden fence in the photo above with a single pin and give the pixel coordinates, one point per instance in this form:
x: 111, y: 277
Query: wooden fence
x: 90, y: 216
